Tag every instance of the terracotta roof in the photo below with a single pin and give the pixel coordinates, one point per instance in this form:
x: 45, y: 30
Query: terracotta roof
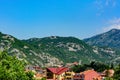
x: 90, y: 74
x: 59, y: 70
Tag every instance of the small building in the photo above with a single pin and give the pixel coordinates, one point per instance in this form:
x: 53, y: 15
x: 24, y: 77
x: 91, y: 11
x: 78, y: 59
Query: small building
x: 69, y: 75
x: 29, y: 67
x: 78, y: 76
x: 38, y: 76
x: 56, y: 73
x: 87, y: 75
x: 108, y: 73
x: 38, y: 71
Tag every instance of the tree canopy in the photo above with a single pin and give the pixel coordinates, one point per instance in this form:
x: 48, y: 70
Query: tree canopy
x: 117, y: 73
x: 13, y: 69
x: 97, y: 66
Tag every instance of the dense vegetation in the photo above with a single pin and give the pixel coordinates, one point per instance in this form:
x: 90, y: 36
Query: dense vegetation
x: 13, y: 69
x: 97, y: 66
x: 117, y: 73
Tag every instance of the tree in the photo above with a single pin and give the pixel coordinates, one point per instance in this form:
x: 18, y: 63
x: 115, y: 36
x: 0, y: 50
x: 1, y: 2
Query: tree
x: 12, y: 69
x: 117, y: 73
x: 108, y: 78
x: 97, y: 66
x: 79, y: 68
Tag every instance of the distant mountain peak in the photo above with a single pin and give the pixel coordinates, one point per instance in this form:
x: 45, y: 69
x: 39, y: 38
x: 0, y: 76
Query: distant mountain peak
x: 113, y: 30
x: 110, y: 39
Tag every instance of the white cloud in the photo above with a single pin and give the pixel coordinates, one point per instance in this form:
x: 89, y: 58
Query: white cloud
x: 111, y: 27
x: 113, y: 24
x: 115, y: 21
x: 102, y: 4
x: 105, y: 3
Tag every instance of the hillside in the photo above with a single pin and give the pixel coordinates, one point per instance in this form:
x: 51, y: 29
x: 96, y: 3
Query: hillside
x: 24, y: 51
x: 70, y: 49
x: 109, y: 39
x: 54, y: 50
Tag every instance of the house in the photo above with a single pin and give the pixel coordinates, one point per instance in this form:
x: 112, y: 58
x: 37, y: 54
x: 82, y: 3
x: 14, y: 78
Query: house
x: 69, y: 75
x: 38, y: 72
x: 108, y: 73
x: 87, y: 75
x: 56, y: 73
x: 38, y: 76
x: 78, y: 76
x: 29, y: 67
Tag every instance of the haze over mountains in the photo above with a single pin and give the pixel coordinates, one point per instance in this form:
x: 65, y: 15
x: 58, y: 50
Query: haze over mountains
x: 55, y: 50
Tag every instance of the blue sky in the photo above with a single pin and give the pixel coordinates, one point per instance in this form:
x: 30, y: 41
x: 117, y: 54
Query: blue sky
x: 41, y: 18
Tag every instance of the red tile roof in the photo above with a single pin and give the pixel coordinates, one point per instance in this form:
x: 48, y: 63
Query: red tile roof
x: 59, y: 70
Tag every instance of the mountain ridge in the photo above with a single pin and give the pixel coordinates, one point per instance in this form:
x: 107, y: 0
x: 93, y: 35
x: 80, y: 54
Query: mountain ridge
x: 55, y: 50
x: 108, y: 39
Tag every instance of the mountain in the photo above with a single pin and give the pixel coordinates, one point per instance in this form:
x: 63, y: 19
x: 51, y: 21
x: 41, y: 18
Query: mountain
x: 24, y: 51
x: 54, y: 50
x: 109, y: 39
x: 71, y: 49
